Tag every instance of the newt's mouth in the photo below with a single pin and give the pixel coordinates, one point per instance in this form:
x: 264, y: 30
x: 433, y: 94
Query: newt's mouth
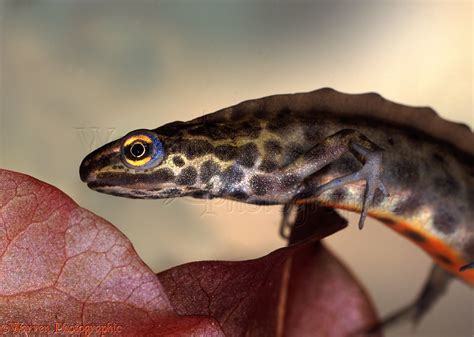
x: 139, y: 192
x: 118, y: 191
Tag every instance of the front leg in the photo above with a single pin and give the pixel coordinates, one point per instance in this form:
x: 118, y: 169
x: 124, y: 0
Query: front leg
x: 331, y: 149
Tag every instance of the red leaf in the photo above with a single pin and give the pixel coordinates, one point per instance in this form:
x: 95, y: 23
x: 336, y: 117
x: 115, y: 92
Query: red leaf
x: 302, y: 290
x: 61, y: 264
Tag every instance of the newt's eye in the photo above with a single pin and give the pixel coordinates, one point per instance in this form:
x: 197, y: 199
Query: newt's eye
x: 141, y: 149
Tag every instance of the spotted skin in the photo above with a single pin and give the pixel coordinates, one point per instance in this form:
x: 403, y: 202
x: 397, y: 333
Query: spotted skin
x: 274, y: 149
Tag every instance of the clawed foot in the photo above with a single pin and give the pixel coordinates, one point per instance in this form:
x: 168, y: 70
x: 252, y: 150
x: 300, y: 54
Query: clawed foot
x: 371, y: 173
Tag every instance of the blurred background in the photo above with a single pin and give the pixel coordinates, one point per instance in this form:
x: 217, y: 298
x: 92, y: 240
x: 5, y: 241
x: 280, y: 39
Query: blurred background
x: 77, y: 74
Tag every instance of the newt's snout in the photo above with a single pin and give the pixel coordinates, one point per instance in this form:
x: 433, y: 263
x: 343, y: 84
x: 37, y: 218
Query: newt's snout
x: 85, y: 168
x: 83, y: 172
x: 99, y: 161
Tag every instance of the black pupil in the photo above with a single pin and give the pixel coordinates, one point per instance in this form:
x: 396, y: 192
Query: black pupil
x: 138, y: 149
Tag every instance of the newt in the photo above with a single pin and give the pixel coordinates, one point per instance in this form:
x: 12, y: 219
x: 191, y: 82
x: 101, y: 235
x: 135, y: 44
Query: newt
x: 402, y: 165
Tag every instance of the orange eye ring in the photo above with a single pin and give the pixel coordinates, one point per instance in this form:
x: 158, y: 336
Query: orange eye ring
x: 133, y: 138
x: 141, y: 149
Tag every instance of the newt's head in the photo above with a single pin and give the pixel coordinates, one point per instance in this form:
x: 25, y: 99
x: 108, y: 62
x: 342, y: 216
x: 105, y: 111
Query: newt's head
x: 178, y: 159
x: 159, y: 163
